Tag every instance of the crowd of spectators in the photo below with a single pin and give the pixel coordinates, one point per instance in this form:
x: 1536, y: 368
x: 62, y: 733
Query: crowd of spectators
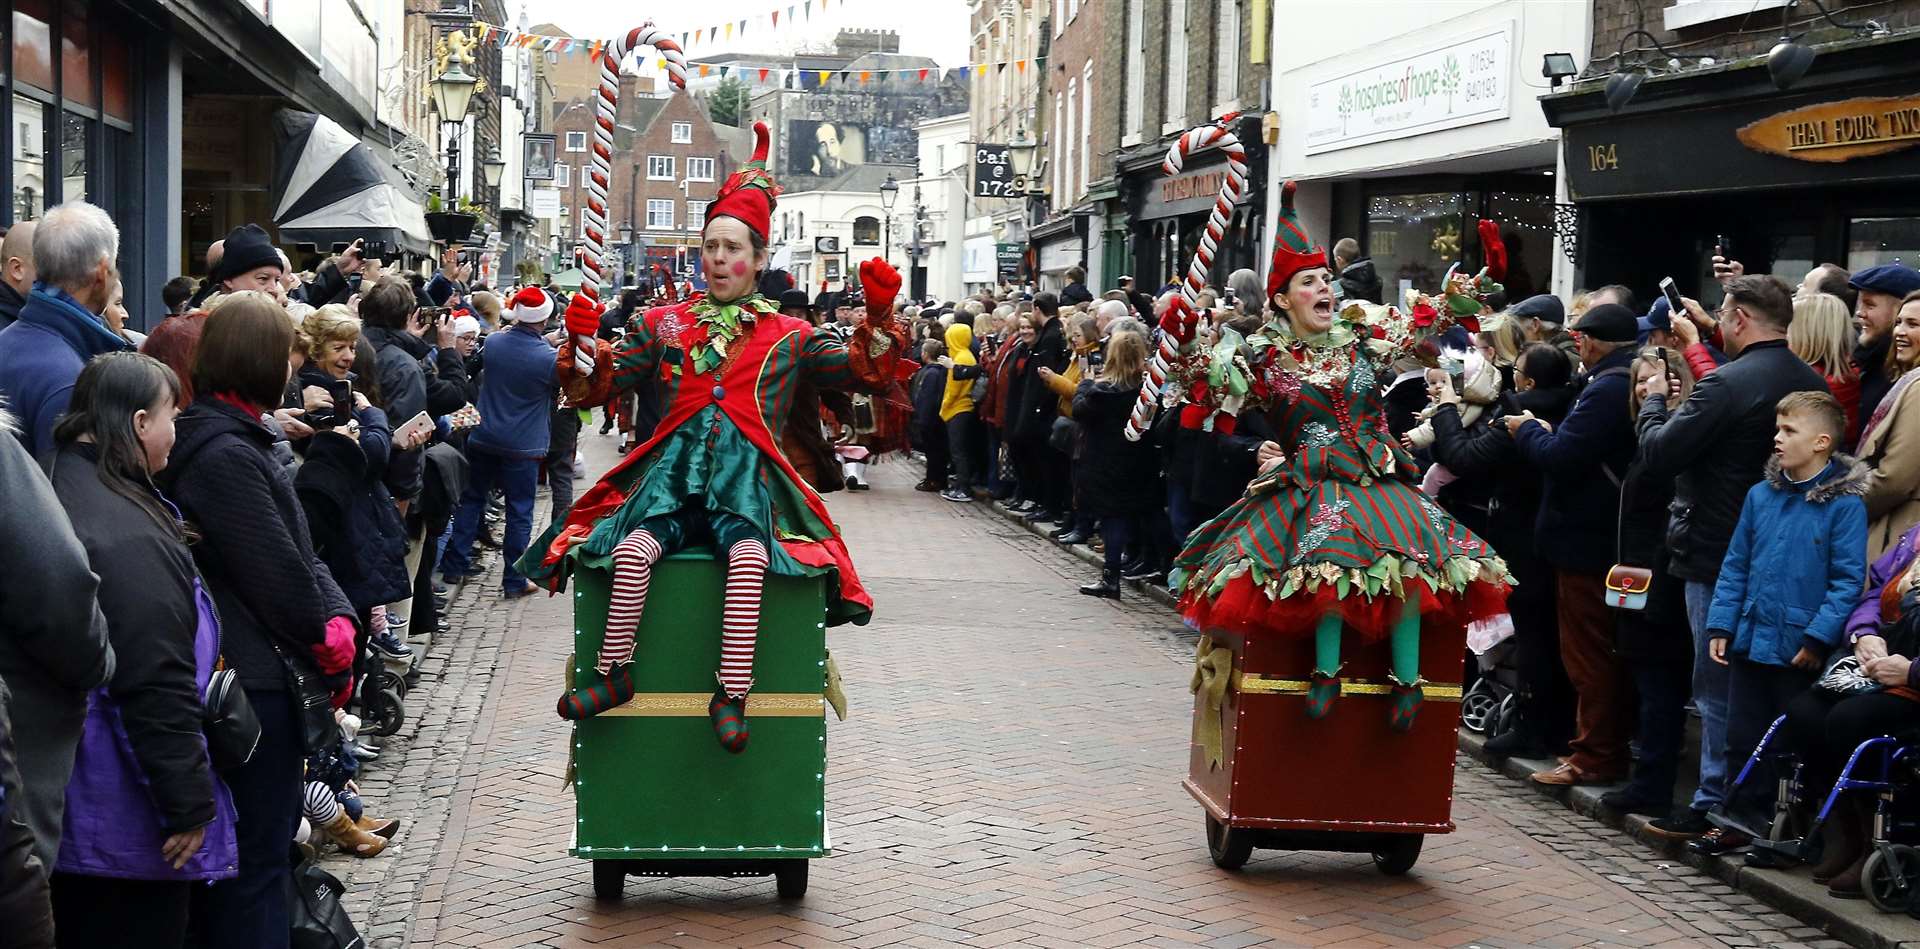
x: 217, y: 567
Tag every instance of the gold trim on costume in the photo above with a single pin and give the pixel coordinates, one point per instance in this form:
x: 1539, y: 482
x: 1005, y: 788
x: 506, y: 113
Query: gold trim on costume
x: 694, y: 705
x: 1253, y: 683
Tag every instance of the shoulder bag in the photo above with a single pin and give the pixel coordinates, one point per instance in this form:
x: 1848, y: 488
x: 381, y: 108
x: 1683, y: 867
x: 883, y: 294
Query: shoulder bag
x: 227, y: 719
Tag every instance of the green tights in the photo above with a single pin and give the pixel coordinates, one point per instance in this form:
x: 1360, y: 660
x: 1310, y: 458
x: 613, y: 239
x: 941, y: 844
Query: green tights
x: 1405, y: 642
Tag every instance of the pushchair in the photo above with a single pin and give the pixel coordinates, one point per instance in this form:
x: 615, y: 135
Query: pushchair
x: 1885, y: 767
x: 1490, y: 706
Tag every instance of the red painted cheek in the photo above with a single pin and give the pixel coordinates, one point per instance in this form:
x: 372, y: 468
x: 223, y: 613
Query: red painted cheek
x: 739, y: 268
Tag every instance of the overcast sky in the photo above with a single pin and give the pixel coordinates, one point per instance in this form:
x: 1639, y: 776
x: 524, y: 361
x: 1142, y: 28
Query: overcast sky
x: 933, y: 28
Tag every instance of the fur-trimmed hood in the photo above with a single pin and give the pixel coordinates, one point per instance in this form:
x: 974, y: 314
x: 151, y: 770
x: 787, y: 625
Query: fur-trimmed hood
x: 1844, y: 475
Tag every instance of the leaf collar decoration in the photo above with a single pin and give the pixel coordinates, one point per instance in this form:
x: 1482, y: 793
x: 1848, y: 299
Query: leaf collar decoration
x: 724, y: 323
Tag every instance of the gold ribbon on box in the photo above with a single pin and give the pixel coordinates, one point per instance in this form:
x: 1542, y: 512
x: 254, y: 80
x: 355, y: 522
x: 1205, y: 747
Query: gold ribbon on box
x: 1251, y: 683
x: 1212, y: 678
x: 694, y: 705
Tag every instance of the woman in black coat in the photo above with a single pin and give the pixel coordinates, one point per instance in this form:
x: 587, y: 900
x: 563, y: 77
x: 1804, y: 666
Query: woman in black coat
x: 285, y: 624
x: 1496, y: 494
x: 1119, y: 479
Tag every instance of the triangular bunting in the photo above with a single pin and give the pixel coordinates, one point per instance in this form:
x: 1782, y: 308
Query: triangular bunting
x: 823, y: 77
x: 923, y: 75
x: 763, y: 73
x: 1022, y: 65
x: 729, y: 30
x: 723, y: 71
x: 776, y: 18
x: 982, y: 68
x: 704, y: 69
x: 863, y: 76
x: 808, y: 8
x: 743, y: 27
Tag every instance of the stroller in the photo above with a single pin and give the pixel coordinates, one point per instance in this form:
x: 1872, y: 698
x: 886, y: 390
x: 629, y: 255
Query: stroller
x: 1490, y: 704
x: 1884, y: 767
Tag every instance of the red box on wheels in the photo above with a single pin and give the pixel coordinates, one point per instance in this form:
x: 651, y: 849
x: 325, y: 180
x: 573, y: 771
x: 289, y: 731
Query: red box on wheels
x: 1346, y: 782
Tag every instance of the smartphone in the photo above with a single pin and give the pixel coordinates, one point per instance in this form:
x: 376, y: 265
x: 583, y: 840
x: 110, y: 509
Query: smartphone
x: 1672, y: 294
x: 342, y: 392
x: 1661, y: 351
x: 414, y: 428
x: 1721, y: 248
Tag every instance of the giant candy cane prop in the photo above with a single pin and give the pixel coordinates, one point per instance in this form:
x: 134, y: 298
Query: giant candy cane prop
x: 1178, y: 323
x: 605, y: 104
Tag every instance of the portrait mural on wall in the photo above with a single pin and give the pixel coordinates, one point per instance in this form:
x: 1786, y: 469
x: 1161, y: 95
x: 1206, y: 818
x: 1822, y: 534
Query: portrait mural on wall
x: 825, y: 149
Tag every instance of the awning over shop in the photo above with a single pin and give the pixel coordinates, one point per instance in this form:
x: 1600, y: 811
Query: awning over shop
x: 329, y: 187
x: 569, y: 279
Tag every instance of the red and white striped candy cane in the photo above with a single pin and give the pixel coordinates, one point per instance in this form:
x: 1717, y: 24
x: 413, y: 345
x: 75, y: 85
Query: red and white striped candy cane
x: 1232, y: 190
x: 597, y: 226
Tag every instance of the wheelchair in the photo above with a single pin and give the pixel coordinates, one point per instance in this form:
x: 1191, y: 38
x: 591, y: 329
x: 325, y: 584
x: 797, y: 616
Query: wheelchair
x: 1884, y: 767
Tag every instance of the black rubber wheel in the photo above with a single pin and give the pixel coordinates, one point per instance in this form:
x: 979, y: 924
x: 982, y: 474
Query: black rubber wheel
x: 385, y: 712
x: 1397, y: 856
x: 1891, y: 873
x: 1228, y: 847
x: 1480, y: 708
x: 609, y: 879
x: 790, y: 879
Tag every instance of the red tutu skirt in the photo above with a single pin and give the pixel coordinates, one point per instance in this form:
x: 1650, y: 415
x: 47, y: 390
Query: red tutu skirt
x: 1243, y: 607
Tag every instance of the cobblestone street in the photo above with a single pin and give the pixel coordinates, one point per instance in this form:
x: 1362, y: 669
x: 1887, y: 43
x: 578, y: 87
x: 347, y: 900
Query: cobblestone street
x: 1009, y: 774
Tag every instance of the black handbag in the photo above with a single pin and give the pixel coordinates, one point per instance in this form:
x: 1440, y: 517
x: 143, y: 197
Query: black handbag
x: 227, y: 719
x: 1064, y: 433
x: 313, y: 703
x: 313, y: 908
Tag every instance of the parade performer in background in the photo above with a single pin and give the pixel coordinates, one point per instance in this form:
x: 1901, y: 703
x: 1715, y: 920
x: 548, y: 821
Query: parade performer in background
x: 868, y: 426
x: 1333, y: 535
x: 712, y: 472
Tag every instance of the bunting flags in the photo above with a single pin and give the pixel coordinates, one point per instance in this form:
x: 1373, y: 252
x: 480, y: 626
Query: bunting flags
x: 505, y: 37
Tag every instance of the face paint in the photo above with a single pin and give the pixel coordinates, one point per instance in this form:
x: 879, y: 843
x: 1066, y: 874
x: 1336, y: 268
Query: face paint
x: 739, y: 268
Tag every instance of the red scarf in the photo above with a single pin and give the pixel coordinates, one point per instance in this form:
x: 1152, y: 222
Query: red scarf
x: 253, y: 410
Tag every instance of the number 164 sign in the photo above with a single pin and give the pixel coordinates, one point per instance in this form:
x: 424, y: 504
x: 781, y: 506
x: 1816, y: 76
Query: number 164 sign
x: 992, y: 172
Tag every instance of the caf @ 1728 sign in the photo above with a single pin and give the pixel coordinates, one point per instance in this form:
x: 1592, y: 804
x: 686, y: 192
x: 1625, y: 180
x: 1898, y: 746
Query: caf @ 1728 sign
x: 992, y: 172
x: 1463, y: 83
x: 1838, y: 131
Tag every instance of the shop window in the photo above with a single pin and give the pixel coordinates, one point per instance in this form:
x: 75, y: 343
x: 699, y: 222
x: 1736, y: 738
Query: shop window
x: 1882, y: 240
x: 77, y: 83
x: 866, y: 230
x: 1413, y: 238
x: 73, y: 157
x: 1526, y: 228
x: 33, y: 43
x: 117, y: 65
x: 30, y: 148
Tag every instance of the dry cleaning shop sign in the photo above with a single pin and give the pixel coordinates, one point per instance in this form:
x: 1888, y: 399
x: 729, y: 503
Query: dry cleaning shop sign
x: 1462, y: 83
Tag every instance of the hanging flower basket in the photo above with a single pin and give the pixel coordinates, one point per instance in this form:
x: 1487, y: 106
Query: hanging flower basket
x: 451, y: 227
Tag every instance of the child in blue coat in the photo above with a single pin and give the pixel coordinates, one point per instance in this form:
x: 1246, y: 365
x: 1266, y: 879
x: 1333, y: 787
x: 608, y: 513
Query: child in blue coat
x: 1793, y: 572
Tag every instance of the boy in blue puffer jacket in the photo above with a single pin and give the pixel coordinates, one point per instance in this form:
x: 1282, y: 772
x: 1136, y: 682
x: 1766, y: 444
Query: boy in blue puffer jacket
x: 1794, y: 570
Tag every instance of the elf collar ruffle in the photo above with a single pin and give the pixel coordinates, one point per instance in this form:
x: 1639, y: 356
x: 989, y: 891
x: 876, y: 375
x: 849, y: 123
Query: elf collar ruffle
x: 724, y: 323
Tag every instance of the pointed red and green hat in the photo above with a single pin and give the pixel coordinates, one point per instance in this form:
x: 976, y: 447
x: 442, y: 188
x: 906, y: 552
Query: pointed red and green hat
x: 748, y: 194
x: 1293, y: 250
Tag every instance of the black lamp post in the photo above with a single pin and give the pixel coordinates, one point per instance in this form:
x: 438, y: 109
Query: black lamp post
x: 889, y: 193
x: 917, y: 248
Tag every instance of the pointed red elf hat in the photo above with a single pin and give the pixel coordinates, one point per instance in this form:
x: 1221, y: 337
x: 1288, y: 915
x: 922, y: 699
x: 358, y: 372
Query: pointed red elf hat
x: 1293, y: 250
x: 749, y: 193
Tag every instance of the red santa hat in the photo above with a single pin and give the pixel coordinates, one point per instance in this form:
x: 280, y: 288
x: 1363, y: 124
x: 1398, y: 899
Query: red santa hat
x: 748, y: 194
x: 532, y: 305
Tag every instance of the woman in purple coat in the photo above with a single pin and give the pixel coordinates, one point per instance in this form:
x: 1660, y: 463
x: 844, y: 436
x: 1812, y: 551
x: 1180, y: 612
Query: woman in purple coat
x: 146, y: 816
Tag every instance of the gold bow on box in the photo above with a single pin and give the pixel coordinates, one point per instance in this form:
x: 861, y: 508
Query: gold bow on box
x: 1212, y: 680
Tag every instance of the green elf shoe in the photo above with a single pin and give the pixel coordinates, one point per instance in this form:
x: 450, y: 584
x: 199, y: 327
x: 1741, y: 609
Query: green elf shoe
x: 1322, y: 689
x: 729, y: 717
x: 1406, y: 704
x: 608, y: 691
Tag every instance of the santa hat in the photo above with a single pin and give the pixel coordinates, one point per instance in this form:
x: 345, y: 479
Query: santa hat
x: 748, y: 194
x: 1293, y: 250
x: 532, y: 305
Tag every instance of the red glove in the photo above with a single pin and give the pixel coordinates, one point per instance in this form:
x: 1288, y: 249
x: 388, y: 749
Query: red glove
x: 1179, y: 321
x: 1493, y: 250
x: 583, y: 315
x: 335, y: 655
x: 881, y: 283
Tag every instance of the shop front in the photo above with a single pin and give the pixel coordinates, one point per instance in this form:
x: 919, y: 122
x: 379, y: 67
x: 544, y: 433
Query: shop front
x: 1825, y: 172
x: 1059, y: 245
x: 1166, y: 216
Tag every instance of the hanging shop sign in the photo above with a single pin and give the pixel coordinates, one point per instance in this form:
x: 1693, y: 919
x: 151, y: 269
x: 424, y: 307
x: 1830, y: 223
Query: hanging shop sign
x: 1465, y: 82
x: 1009, y: 256
x: 1838, y: 131
x: 992, y: 172
x: 543, y: 202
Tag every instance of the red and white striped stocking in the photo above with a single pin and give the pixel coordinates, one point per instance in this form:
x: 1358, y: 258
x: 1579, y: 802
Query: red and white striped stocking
x: 633, y: 561
x: 740, y: 619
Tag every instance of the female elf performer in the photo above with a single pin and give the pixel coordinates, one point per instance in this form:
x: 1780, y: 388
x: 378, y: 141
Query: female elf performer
x: 1333, y: 535
x: 713, y: 472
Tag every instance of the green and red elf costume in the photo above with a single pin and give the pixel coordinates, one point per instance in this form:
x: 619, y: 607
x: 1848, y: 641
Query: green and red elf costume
x: 713, y: 471
x: 1337, y: 537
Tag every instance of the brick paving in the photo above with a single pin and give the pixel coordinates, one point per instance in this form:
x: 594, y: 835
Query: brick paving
x: 1009, y: 775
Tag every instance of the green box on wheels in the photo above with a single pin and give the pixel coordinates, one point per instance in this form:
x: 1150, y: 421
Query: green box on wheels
x: 655, y: 794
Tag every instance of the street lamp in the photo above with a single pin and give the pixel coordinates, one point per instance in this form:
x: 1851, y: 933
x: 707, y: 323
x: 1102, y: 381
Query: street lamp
x: 1021, y: 149
x: 889, y: 193
x: 917, y: 248
x: 493, y: 169
x: 452, y: 94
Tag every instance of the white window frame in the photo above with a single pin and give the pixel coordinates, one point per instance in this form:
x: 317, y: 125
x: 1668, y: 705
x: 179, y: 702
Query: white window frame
x: 1226, y: 52
x: 566, y: 220
x: 584, y: 212
x: 694, y: 164
x: 1059, y: 116
x: 1136, y: 99
x: 1069, y: 140
x: 682, y: 133
x: 656, y: 209
x: 576, y: 141
x: 1175, y: 114
x: 696, y: 214
x: 1086, y: 126
x: 655, y: 166
x: 562, y: 175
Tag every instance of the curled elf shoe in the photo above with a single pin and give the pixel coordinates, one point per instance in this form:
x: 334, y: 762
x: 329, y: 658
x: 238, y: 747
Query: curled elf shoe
x: 1322, y: 689
x: 729, y: 716
x: 608, y: 690
x: 1407, y: 699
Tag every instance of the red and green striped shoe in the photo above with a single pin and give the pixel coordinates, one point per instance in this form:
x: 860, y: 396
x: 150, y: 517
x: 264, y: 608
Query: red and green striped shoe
x: 607, y: 691
x: 1322, y: 689
x: 1406, y: 705
x: 729, y: 718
